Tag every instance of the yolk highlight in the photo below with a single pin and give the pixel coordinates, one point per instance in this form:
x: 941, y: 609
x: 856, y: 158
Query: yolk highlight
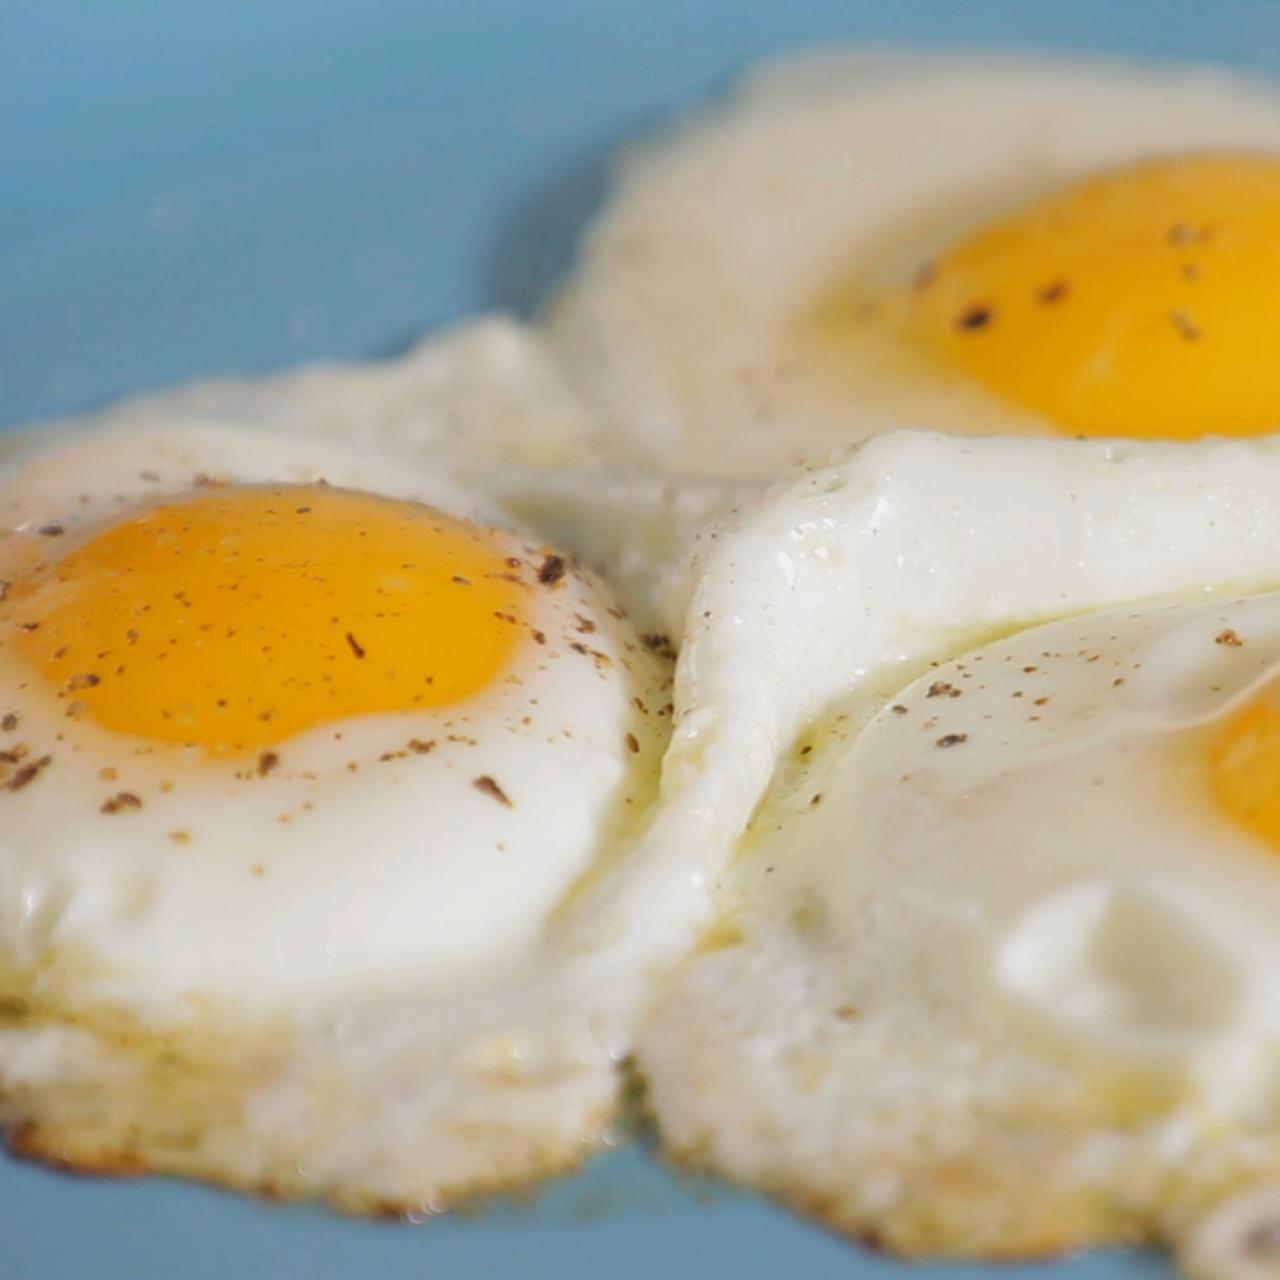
x: 1244, y: 767
x: 235, y: 617
x: 1142, y: 302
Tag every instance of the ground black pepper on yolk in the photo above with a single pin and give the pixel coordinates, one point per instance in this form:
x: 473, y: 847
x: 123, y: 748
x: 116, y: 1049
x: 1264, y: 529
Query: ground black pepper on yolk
x: 1140, y: 302
x: 233, y: 617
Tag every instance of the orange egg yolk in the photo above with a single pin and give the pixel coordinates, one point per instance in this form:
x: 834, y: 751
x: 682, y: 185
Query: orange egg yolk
x: 1142, y: 302
x: 1244, y: 766
x: 233, y: 617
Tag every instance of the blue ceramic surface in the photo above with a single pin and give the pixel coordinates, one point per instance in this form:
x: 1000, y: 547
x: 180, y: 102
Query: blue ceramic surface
x: 191, y: 187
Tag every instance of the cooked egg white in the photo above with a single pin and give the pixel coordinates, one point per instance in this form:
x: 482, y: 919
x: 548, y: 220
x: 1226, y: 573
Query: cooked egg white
x: 987, y: 968
x: 860, y: 240
x: 306, y: 762
x: 462, y: 401
x: 485, y: 404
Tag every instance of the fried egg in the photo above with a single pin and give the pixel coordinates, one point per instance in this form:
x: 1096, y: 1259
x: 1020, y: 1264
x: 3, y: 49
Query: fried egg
x: 485, y: 404
x: 989, y: 964
x: 306, y: 764
x: 866, y: 240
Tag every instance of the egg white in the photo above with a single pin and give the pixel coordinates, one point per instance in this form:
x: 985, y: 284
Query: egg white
x: 361, y: 976
x: 809, y: 610
x: 679, y: 325
x: 461, y: 401
x: 994, y: 976
x: 485, y: 405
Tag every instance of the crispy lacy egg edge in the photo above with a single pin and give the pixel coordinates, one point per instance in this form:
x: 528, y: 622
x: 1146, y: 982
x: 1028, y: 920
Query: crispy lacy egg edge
x: 155, y: 1123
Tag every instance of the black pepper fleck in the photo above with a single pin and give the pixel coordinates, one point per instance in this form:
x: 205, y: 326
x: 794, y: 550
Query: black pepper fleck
x: 489, y: 787
x: 121, y: 801
x: 28, y: 773
x: 976, y: 316
x: 1052, y: 292
x: 551, y: 570
x: 659, y: 643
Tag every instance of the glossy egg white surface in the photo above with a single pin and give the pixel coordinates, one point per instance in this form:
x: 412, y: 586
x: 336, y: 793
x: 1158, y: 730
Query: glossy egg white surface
x: 987, y: 972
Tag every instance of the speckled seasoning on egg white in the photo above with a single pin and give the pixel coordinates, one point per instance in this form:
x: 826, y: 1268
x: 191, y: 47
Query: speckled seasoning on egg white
x: 987, y: 972
x: 307, y: 765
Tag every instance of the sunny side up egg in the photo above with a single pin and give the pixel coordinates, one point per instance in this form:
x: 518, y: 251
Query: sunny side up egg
x: 485, y: 403
x: 862, y: 241
x: 305, y: 764
x: 993, y: 963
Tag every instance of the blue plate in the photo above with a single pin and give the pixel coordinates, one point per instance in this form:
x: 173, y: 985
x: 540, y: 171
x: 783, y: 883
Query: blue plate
x: 189, y: 187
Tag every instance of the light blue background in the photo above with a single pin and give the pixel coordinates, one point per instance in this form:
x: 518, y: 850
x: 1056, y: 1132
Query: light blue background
x: 193, y: 187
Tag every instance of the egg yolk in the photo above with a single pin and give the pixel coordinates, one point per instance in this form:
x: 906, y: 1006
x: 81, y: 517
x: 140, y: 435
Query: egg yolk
x: 1244, y: 766
x: 233, y: 617
x: 1142, y: 302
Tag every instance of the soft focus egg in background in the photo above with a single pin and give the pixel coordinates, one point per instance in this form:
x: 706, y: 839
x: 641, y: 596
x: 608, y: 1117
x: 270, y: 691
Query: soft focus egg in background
x: 974, y: 243
x: 304, y: 764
